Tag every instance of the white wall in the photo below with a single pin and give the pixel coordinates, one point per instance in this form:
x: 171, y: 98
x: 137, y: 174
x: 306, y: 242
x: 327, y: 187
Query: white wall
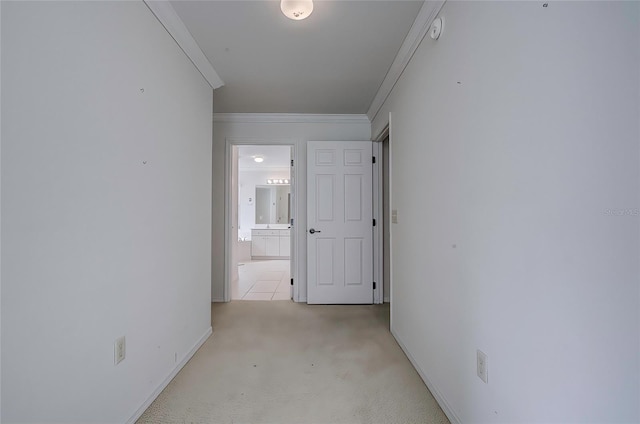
x: 511, y: 137
x: 271, y: 133
x: 95, y: 243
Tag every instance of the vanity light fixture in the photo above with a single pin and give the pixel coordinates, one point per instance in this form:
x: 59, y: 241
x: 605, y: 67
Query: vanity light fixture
x: 296, y: 9
x: 277, y: 181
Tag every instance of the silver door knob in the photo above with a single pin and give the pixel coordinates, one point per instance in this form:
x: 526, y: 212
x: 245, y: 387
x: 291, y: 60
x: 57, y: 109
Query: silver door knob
x: 313, y: 231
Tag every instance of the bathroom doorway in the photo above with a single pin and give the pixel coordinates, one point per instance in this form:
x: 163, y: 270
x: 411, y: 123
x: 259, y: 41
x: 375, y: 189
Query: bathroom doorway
x: 261, y: 259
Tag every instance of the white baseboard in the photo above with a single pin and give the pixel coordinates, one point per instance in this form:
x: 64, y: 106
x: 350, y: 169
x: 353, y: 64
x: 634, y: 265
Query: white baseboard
x: 170, y: 377
x: 217, y: 300
x: 448, y: 411
x: 387, y: 299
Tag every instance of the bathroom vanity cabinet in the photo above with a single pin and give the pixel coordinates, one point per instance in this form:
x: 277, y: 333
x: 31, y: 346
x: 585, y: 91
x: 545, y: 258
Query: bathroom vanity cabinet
x: 270, y: 244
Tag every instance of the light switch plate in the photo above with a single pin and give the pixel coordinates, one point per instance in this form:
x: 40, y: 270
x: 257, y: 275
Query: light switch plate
x: 119, y: 350
x: 482, y: 366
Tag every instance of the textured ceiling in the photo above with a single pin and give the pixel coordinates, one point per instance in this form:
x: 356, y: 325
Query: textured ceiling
x: 332, y: 62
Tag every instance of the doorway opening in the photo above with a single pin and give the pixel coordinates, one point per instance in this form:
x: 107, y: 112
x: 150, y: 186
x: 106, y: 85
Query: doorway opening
x: 260, y: 208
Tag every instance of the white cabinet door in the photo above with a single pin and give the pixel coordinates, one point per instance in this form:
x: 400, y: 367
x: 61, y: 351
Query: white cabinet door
x: 258, y: 246
x: 285, y: 246
x: 340, y: 223
x: 272, y: 246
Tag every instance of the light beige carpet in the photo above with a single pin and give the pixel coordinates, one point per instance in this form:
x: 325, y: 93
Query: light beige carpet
x: 281, y: 362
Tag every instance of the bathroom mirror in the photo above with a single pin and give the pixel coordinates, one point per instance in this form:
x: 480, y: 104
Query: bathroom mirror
x: 273, y: 204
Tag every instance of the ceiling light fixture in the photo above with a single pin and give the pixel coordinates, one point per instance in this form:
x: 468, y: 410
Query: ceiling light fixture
x: 296, y: 9
x: 258, y: 159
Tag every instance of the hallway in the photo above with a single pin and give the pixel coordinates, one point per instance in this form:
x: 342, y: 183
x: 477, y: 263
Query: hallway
x: 282, y: 362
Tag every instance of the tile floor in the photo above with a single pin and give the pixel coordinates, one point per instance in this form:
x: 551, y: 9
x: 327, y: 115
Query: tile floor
x: 262, y: 280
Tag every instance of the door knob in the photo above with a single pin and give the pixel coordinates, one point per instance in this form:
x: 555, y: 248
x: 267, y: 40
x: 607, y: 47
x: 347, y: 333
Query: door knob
x: 313, y: 231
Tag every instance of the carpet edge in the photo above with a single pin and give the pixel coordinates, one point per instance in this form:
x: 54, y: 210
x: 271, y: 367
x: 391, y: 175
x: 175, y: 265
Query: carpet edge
x: 170, y: 377
x: 442, y: 402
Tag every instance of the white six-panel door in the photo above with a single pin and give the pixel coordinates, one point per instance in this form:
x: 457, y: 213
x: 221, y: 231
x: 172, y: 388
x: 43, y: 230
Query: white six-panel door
x: 339, y: 222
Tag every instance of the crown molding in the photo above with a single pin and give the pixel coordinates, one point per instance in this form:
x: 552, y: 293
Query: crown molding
x: 419, y: 29
x: 167, y: 16
x: 290, y: 118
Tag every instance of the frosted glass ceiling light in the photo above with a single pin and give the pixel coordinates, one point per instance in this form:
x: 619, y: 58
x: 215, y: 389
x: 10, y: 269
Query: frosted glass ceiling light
x: 296, y: 9
x: 258, y: 159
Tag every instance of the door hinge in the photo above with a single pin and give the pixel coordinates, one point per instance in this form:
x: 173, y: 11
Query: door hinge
x: 374, y: 159
x: 292, y: 281
x: 374, y: 222
x: 374, y: 285
x: 291, y: 162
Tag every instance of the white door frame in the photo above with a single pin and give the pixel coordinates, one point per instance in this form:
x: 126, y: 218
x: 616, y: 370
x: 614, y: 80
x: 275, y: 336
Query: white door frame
x: 378, y: 259
x: 378, y: 213
x: 378, y: 208
x: 240, y: 141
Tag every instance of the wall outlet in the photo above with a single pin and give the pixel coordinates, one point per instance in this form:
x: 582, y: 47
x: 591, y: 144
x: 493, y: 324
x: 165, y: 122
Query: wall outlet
x: 482, y: 366
x: 119, y: 350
